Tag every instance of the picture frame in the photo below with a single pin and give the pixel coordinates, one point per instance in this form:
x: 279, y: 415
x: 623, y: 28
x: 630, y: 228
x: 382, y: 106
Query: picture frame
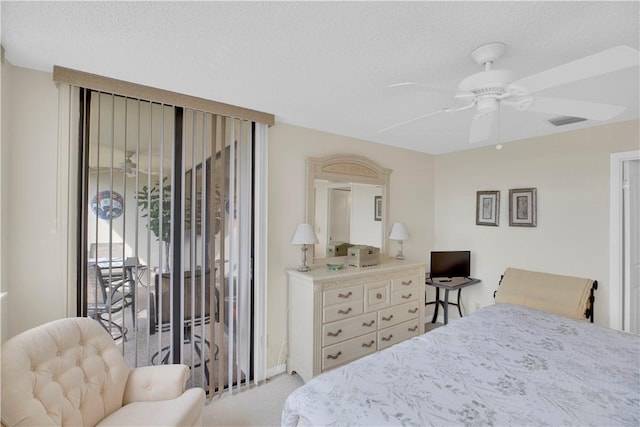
x: 522, y: 207
x: 377, y: 208
x: 488, y: 208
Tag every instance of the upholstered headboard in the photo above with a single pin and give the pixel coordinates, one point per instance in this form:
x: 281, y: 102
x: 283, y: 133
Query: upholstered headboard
x: 553, y: 293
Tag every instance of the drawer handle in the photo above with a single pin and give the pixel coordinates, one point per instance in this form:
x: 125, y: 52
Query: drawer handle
x: 415, y: 328
x: 387, y: 338
x: 414, y: 311
x: 345, y: 295
x: 332, y: 356
x: 406, y: 296
x: 344, y: 312
x: 407, y: 283
x: 386, y: 319
x: 368, y: 324
x: 364, y: 344
x: 334, y: 334
x: 379, y: 296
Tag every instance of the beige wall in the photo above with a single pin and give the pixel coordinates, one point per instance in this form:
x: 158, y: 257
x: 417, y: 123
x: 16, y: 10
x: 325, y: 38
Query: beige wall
x: 410, y: 201
x: 571, y: 174
x: 4, y: 85
x: 34, y: 264
x: 434, y: 196
x: 33, y: 259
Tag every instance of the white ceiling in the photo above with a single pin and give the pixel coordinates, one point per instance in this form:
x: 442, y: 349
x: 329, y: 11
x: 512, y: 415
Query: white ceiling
x: 327, y: 65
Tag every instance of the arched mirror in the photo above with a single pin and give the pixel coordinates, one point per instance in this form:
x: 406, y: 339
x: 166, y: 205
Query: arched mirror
x: 347, y: 203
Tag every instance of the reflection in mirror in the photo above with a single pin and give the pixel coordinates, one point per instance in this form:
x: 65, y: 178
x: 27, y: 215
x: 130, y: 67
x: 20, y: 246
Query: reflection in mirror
x: 346, y: 213
x: 347, y: 203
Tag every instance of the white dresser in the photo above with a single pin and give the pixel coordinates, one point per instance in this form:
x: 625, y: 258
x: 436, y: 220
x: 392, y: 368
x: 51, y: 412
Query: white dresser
x: 336, y: 316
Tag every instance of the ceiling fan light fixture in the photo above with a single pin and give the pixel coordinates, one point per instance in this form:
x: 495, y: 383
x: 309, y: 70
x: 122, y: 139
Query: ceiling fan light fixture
x: 486, y: 106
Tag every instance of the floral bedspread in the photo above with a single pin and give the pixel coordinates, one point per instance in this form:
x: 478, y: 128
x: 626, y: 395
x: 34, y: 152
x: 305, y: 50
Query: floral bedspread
x: 503, y: 365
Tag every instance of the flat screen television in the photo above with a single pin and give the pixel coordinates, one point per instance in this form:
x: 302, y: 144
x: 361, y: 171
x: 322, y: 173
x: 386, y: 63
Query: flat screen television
x: 450, y: 264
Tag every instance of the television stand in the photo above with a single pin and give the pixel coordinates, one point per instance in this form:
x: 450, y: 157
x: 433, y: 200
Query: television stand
x: 453, y: 284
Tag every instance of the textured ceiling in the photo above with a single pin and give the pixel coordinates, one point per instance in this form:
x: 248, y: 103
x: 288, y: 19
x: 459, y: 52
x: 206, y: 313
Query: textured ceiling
x: 327, y: 65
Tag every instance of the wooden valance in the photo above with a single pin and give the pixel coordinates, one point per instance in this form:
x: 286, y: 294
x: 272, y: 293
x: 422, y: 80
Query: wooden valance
x: 133, y: 90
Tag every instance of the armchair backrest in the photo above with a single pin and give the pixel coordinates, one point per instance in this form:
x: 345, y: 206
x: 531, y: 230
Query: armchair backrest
x: 65, y: 372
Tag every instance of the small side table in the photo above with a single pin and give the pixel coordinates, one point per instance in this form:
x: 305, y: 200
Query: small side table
x: 453, y: 284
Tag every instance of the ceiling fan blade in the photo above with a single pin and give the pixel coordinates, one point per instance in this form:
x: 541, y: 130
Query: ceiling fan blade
x: 98, y: 169
x: 146, y: 172
x: 569, y: 107
x: 415, y: 119
x: 480, y: 127
x: 607, y: 61
x: 428, y: 88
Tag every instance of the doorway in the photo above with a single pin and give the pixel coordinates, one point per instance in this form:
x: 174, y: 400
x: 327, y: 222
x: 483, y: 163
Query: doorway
x: 625, y: 242
x: 340, y: 215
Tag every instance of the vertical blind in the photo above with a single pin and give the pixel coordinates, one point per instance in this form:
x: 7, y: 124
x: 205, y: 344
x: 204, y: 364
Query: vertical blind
x: 168, y: 230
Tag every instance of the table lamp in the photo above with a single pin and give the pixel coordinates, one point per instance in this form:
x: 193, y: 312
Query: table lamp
x: 304, y: 236
x: 399, y: 232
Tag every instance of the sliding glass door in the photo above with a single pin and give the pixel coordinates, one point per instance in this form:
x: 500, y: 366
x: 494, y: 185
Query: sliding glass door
x: 167, y: 234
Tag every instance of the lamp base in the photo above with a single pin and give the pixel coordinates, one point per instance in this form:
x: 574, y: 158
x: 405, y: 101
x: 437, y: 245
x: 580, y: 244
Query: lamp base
x: 304, y: 267
x: 400, y: 254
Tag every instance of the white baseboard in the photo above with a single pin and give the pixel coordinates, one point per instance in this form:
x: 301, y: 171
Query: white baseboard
x: 276, y: 370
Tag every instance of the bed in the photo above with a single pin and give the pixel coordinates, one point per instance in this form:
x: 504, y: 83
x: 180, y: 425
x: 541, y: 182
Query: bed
x: 506, y: 364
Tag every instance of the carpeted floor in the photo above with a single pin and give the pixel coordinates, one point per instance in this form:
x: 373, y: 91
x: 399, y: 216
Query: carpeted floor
x: 253, y: 406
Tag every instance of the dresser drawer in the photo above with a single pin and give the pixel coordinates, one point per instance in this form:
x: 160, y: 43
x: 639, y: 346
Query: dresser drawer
x: 401, y: 332
x: 341, y: 311
x: 342, y: 330
x: 338, y: 296
x: 398, y: 314
x: 404, y: 283
x: 347, y: 351
x: 404, y: 295
x: 377, y: 296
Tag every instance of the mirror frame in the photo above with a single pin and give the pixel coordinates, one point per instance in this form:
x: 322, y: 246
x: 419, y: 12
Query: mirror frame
x: 347, y: 168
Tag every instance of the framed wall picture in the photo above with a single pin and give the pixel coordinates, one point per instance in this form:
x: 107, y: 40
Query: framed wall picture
x: 107, y: 204
x: 522, y: 207
x: 377, y: 208
x: 488, y: 208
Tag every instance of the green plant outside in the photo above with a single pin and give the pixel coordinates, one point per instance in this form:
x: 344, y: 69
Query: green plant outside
x: 152, y: 206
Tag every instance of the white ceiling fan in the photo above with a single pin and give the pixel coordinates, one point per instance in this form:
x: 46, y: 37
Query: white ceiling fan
x: 128, y: 166
x: 489, y: 88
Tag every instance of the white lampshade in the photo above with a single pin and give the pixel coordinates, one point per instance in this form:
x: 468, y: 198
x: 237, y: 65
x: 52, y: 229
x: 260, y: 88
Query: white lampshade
x: 304, y: 235
x: 399, y: 232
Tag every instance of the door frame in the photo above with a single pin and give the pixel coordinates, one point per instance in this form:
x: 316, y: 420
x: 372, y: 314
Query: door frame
x: 616, y: 230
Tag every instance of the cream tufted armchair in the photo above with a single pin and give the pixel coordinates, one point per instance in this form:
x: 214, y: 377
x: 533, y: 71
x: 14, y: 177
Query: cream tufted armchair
x: 70, y: 372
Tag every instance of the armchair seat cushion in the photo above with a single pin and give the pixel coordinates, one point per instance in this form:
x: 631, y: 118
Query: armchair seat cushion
x: 159, y: 382
x: 185, y: 410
